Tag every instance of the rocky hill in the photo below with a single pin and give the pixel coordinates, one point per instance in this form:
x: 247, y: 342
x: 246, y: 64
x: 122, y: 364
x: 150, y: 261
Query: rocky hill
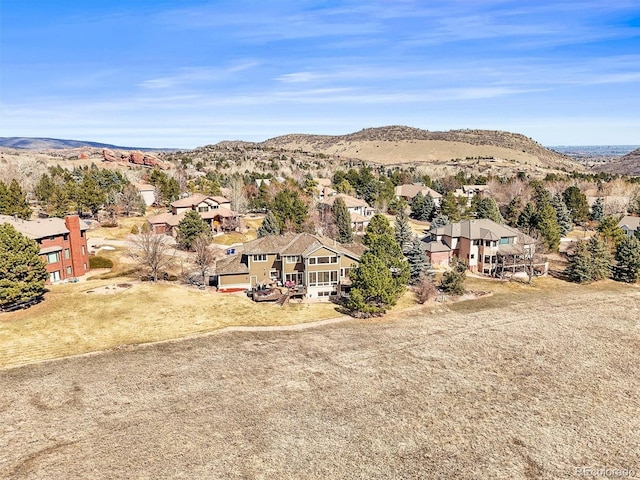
x: 628, y: 164
x: 400, y: 144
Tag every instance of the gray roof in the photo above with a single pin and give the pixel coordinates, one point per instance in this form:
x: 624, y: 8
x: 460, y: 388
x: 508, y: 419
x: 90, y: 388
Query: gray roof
x: 294, y: 244
x: 40, y: 228
x: 632, y: 223
x: 480, y: 229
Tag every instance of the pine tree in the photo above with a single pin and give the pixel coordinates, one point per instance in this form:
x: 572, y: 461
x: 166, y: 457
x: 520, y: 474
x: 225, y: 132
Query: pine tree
x: 418, y: 261
x: 342, y: 219
x: 383, y: 273
x: 440, y: 221
x: 597, y: 210
x: 527, y: 218
x: 562, y: 214
x: 402, y: 232
x: 577, y: 203
x: 4, y: 199
x: 449, y: 207
x: 488, y: 208
x: 190, y: 227
x: 428, y: 207
x: 269, y: 226
x: 22, y: 271
x: 16, y: 201
x: 610, y: 230
x: 600, y: 258
x: 90, y: 195
x: 453, y: 281
x: 416, y: 206
x: 546, y: 223
x: 628, y: 260
x: 512, y: 211
x: 579, y: 269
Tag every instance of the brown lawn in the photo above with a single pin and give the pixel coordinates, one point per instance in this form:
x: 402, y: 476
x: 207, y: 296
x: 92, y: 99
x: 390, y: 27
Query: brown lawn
x: 531, y: 382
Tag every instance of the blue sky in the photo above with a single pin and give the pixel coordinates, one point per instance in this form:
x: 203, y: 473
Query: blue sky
x: 186, y: 73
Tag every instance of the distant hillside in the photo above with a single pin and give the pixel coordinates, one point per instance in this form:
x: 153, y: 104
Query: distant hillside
x: 28, y: 143
x: 628, y: 164
x: 400, y: 144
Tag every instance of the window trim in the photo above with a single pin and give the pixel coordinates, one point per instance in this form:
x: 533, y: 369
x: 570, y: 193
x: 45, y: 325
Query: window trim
x: 259, y: 257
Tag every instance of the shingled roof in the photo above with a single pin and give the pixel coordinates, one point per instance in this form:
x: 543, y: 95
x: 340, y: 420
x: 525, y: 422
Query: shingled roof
x: 40, y: 228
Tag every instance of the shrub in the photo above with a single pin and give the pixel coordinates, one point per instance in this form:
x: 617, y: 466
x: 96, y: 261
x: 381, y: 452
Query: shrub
x: 100, y: 262
x: 425, y: 289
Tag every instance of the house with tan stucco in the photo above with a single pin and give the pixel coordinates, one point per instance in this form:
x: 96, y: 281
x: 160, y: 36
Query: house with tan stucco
x: 315, y: 266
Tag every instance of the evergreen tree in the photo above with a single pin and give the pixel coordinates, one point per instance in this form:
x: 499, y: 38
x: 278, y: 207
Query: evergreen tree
x: 45, y: 189
x: 546, y: 223
x: 610, y: 230
x: 562, y: 214
x: 378, y: 225
x: 371, y: 284
x: 600, y: 258
x: 342, y: 219
x: 488, y: 208
x: 402, y: 232
x: 418, y: 261
x: 269, y: 226
x: 453, y: 281
x: 576, y: 203
x: 512, y: 211
x: 383, y: 273
x: 190, y: 227
x: 597, y: 210
x: 440, y: 221
x: 449, y: 207
x: 15, y: 202
x: 90, y: 195
x: 527, y: 218
x: 4, y: 199
x: 416, y: 206
x: 428, y: 207
x: 579, y: 269
x: 22, y: 271
x: 628, y: 260
x: 290, y: 210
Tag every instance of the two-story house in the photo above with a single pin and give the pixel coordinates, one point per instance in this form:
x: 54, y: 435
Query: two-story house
x: 215, y: 210
x: 62, y: 242
x: 317, y: 266
x: 358, y: 209
x: 482, y: 243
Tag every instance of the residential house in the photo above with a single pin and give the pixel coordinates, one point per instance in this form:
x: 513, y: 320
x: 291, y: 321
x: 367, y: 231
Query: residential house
x: 200, y: 203
x: 147, y: 192
x: 469, y: 191
x: 62, y: 242
x: 487, y: 247
x: 629, y: 224
x: 409, y: 191
x: 318, y: 267
x: 359, y: 210
x: 215, y: 210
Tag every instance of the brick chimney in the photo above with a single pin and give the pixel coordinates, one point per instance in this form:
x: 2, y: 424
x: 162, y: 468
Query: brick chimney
x: 78, y: 245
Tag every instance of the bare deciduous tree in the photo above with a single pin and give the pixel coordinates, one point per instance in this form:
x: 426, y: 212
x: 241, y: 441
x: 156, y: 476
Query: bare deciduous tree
x: 152, y: 253
x: 238, y: 196
x: 130, y: 200
x: 204, y: 255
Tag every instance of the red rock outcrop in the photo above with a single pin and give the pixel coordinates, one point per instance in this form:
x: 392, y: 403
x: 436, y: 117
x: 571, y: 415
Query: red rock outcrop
x: 136, y: 157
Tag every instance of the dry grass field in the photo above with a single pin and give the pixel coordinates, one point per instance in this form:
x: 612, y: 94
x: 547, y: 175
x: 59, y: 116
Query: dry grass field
x: 100, y: 315
x: 531, y: 382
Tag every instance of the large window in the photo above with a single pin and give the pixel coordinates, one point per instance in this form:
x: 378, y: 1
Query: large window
x: 54, y: 276
x: 317, y: 279
x: 293, y: 277
x: 322, y: 260
x: 262, y: 257
x: 291, y: 258
x: 53, y: 257
x: 203, y: 209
